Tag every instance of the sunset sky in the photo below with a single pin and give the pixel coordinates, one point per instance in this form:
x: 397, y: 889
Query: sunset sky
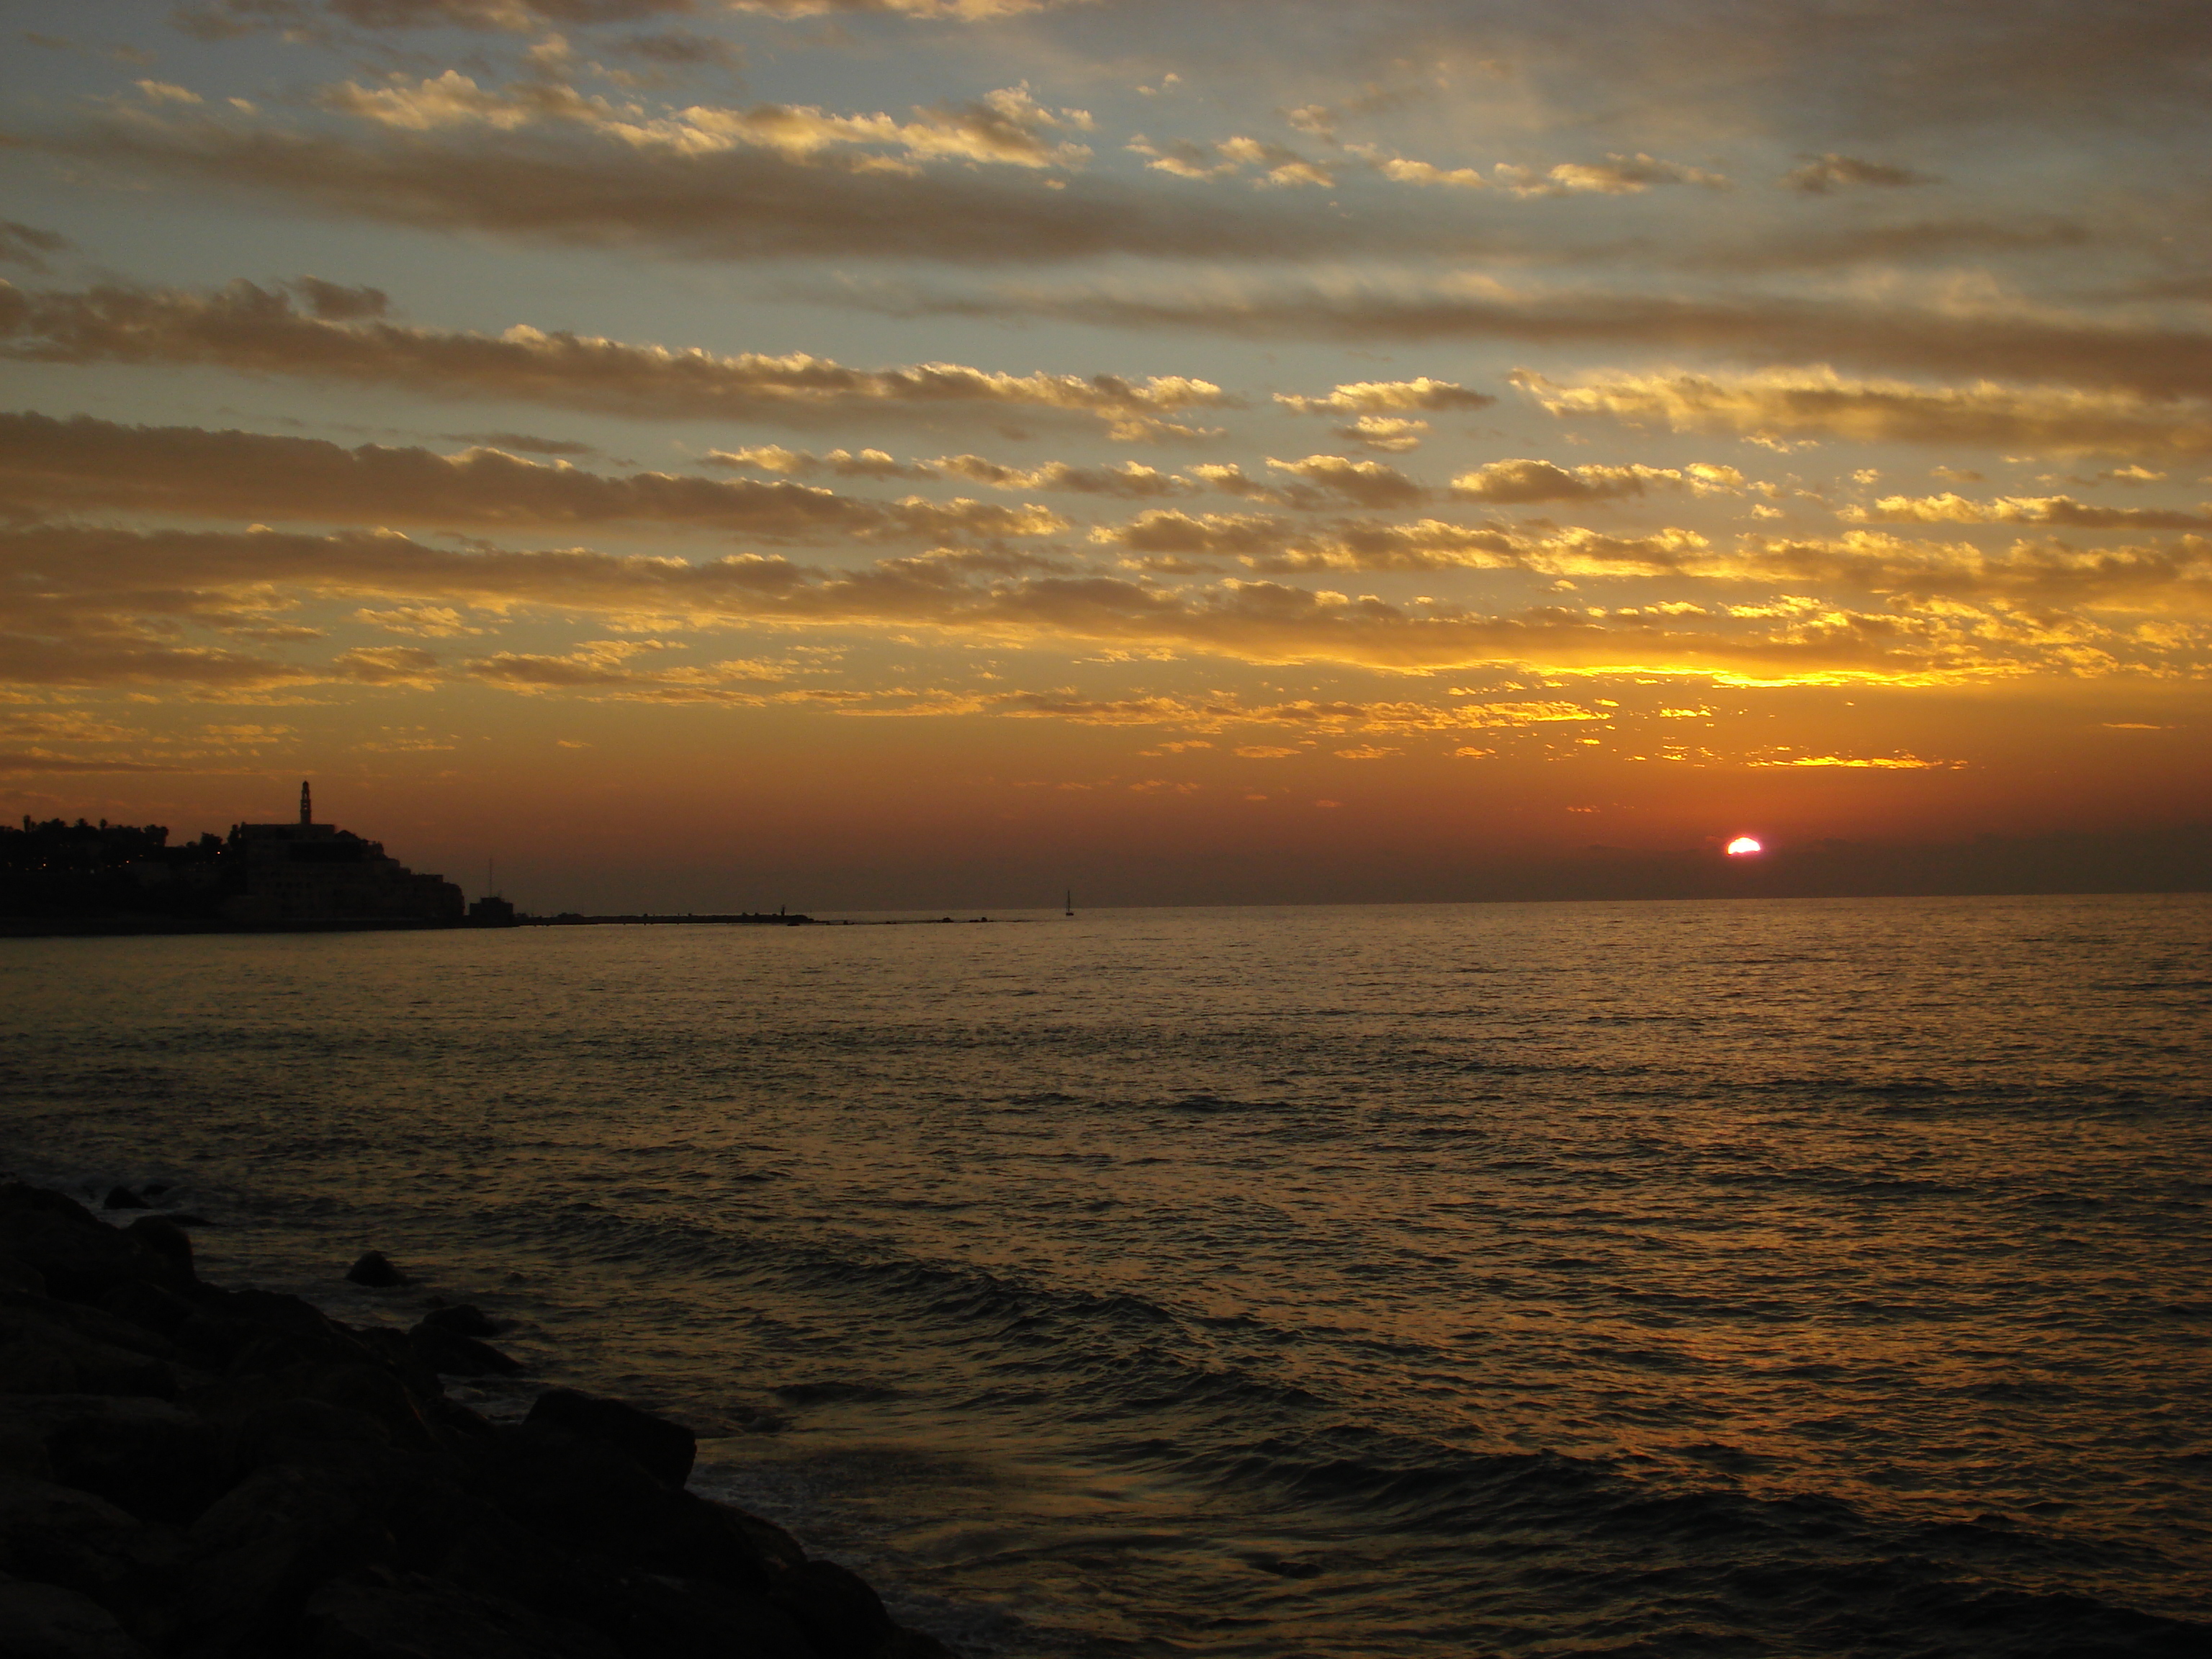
x: 861, y: 452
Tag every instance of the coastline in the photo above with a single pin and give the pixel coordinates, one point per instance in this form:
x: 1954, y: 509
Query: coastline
x: 163, y: 927
x: 194, y: 1471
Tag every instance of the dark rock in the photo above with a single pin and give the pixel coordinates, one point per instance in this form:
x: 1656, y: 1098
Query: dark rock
x: 458, y: 1425
x: 150, y: 1307
x: 206, y: 1339
x: 122, y: 1198
x: 267, y: 1353
x: 375, y: 1393
x: 409, y: 1616
x: 45, y: 1348
x: 164, y: 1239
x: 303, y: 1431
x: 21, y: 1198
x: 79, y: 1257
x: 44, y: 1622
x: 664, y: 1449
x: 312, y: 1492
x: 464, y: 1319
x: 373, y: 1270
x: 397, y: 1353
x: 154, y: 1460
x: 20, y: 1276
x: 272, y: 1331
x: 272, y: 1312
x: 92, y: 1324
x: 663, y: 1616
x: 583, y: 1495
x: 843, y: 1618
x: 260, y: 1549
x: 448, y: 1353
x: 53, y: 1534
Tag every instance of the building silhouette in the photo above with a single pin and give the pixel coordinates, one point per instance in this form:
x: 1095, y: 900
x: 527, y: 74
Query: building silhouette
x: 310, y: 872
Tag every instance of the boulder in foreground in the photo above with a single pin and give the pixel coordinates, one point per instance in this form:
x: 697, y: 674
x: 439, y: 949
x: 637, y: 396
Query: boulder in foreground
x: 193, y: 1473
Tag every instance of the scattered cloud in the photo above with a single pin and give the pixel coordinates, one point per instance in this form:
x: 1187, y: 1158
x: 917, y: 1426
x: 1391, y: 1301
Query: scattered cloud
x: 1389, y: 433
x: 1822, y: 175
x: 1818, y: 403
x: 1131, y: 481
x: 803, y: 464
x: 216, y: 19
x: 1523, y: 481
x: 1360, y: 484
x: 1875, y: 762
x: 1006, y: 127
x: 84, y: 465
x: 109, y: 602
x: 1616, y: 175
x: 1969, y: 333
x: 584, y: 183
x: 1384, y: 396
x: 27, y: 245
x: 2061, y: 511
x: 322, y: 331
x: 1277, y: 164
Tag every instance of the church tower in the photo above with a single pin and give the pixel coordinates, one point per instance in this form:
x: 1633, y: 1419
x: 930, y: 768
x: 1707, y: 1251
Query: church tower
x: 307, y: 806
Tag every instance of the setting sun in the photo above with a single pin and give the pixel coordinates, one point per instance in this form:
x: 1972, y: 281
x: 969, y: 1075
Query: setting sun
x: 1742, y: 847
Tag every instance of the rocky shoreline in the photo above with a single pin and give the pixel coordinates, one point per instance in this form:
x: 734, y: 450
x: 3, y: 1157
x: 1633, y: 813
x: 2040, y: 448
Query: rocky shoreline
x: 196, y: 1472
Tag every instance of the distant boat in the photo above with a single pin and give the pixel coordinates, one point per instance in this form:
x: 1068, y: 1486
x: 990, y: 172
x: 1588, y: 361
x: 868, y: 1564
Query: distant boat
x: 1071, y: 901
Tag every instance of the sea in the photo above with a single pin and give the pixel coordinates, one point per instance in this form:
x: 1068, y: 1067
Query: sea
x: 1788, y: 1277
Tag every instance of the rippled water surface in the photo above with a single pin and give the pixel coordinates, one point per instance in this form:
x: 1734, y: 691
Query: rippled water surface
x: 1821, y: 1277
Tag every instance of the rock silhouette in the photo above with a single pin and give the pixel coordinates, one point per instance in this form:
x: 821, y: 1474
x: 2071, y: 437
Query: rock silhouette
x: 373, y: 1270
x: 201, y: 1472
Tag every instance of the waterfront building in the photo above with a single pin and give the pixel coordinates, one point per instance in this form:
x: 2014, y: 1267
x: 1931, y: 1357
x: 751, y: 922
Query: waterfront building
x: 310, y: 872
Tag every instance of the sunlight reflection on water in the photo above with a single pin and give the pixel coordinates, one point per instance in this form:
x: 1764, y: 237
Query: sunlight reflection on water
x: 1806, y: 1277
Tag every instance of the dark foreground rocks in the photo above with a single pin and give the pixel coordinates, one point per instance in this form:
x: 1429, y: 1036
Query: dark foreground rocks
x: 191, y: 1471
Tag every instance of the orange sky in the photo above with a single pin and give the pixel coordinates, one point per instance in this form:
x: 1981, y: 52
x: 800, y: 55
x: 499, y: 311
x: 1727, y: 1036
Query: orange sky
x: 934, y: 452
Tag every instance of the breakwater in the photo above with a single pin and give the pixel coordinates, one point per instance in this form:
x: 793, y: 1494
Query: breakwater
x: 201, y: 1472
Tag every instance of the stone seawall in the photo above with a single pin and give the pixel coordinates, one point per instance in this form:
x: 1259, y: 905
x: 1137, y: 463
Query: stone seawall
x: 196, y: 1472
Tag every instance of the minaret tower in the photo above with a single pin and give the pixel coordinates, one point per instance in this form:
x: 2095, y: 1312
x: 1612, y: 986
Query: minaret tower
x: 307, y: 806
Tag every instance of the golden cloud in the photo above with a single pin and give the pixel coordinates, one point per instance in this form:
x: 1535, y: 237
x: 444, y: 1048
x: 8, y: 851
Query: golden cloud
x: 104, y: 596
x: 1820, y: 402
x: 1390, y: 435
x: 2155, y: 360
x: 324, y: 330
x: 1522, y: 482
x: 1362, y: 484
x: 584, y: 185
x: 1007, y: 126
x: 2063, y: 511
x: 85, y: 465
x: 1131, y: 481
x: 1374, y: 397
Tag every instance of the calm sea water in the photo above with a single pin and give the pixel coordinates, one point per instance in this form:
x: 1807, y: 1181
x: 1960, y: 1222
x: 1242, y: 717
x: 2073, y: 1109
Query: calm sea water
x: 1820, y: 1277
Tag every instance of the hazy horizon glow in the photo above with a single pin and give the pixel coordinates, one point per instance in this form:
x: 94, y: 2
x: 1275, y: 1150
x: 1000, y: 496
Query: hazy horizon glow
x: 848, y: 452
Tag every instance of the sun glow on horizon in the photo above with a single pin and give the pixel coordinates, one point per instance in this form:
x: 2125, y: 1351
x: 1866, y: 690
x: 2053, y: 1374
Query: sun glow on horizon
x: 1742, y: 847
